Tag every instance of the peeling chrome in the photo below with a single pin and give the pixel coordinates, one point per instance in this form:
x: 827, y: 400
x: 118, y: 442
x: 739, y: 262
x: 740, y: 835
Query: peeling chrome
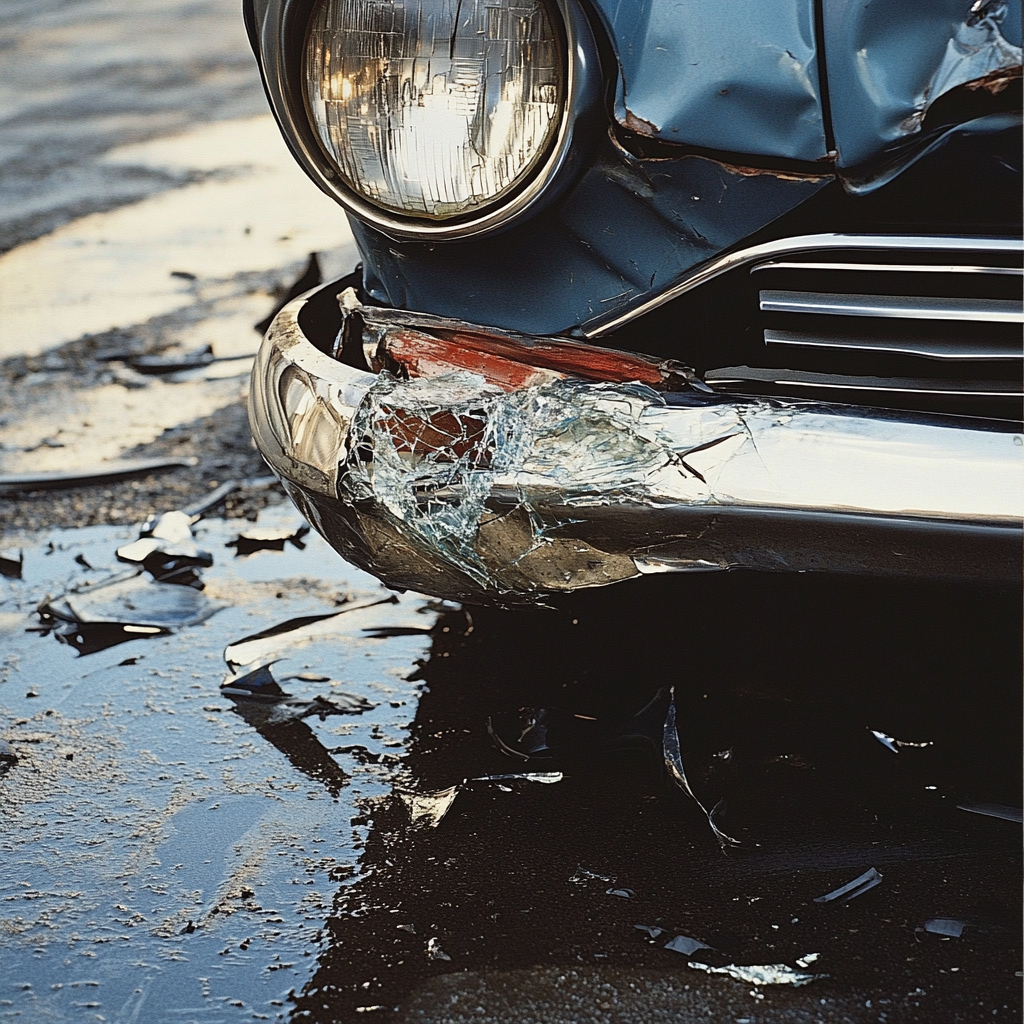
x: 454, y: 487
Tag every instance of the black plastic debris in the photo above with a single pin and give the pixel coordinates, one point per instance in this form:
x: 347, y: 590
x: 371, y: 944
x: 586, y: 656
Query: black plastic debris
x: 992, y: 810
x: 122, y: 608
x: 674, y: 763
x: 167, y: 550
x: 159, y: 365
x: 267, y: 539
x: 262, y: 646
x: 120, y: 469
x: 310, y: 277
x: 259, y: 687
x: 11, y: 567
x: 860, y: 885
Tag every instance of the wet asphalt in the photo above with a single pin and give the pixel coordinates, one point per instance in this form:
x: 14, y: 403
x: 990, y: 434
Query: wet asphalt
x: 173, y: 852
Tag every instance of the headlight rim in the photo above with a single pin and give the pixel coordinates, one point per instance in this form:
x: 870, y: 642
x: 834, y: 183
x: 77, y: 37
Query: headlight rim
x: 282, y: 47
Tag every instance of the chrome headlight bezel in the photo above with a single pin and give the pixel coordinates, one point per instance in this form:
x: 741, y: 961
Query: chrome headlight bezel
x: 282, y: 41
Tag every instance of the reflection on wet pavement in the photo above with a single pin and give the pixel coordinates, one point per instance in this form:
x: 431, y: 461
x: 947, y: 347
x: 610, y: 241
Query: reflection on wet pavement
x: 368, y: 828
x: 166, y: 848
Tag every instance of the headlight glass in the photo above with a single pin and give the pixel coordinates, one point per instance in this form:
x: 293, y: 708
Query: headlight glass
x: 435, y: 108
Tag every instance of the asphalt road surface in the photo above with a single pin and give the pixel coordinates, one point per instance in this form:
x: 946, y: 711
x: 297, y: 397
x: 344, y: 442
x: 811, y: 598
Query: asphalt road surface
x: 175, y: 852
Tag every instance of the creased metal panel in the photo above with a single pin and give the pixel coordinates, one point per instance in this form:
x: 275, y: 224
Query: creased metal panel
x: 887, y: 62
x: 740, y: 77
x: 629, y: 229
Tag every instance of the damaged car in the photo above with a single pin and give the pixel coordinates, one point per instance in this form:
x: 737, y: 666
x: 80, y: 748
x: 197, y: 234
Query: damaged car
x: 653, y: 287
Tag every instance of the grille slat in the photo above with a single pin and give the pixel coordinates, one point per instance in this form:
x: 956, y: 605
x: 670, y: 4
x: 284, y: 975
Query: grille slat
x: 952, y: 349
x: 905, y: 307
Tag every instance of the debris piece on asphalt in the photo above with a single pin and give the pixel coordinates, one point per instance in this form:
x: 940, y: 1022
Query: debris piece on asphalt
x: 7, y: 754
x: 807, y: 959
x: 120, y: 469
x: 11, y: 567
x: 258, y: 685
x: 264, y: 645
x: 949, y: 927
x: 685, y: 945
x: 158, y: 365
x: 860, y: 885
x: 545, y: 778
x: 310, y: 277
x: 894, y: 744
x: 650, y: 932
x: 267, y: 539
x: 759, y: 974
x: 583, y: 875
x: 992, y: 810
x: 674, y: 764
x: 626, y: 894
x: 167, y: 550
x: 434, y: 950
x: 218, y: 494
x: 428, y: 808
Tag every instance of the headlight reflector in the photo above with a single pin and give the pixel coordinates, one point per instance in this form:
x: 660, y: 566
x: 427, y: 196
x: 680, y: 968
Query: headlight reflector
x: 435, y: 108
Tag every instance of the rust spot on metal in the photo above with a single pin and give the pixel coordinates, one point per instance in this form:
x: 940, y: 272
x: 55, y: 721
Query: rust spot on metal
x: 639, y: 124
x: 995, y: 81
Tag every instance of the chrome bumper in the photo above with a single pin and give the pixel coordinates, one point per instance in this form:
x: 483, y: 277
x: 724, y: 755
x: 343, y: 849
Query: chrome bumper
x: 451, y: 486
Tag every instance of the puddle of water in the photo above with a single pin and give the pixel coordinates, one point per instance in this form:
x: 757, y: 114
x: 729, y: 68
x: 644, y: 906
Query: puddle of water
x: 161, y: 854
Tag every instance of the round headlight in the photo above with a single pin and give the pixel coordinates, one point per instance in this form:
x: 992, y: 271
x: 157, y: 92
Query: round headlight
x: 435, y: 109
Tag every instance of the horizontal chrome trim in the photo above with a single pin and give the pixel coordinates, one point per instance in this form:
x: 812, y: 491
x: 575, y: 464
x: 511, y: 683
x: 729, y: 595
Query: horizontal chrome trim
x: 599, y: 326
x: 728, y: 375
x: 725, y: 480
x: 903, y: 307
x: 927, y: 348
x: 900, y: 268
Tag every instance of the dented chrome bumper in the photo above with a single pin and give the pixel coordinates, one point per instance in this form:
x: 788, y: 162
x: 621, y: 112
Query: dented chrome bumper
x: 458, y: 487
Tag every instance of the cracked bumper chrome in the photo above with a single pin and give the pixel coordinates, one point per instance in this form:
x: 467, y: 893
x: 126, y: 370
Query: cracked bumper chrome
x: 450, y: 486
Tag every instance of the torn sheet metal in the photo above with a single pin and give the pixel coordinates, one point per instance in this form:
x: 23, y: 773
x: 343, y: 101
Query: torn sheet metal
x: 745, y: 82
x: 760, y: 974
x: 457, y: 487
x: 888, y: 63
x: 860, y: 885
x: 674, y: 764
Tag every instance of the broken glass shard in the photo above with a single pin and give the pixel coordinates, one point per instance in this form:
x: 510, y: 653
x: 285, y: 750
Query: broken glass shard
x: 860, y: 885
x: 759, y: 974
